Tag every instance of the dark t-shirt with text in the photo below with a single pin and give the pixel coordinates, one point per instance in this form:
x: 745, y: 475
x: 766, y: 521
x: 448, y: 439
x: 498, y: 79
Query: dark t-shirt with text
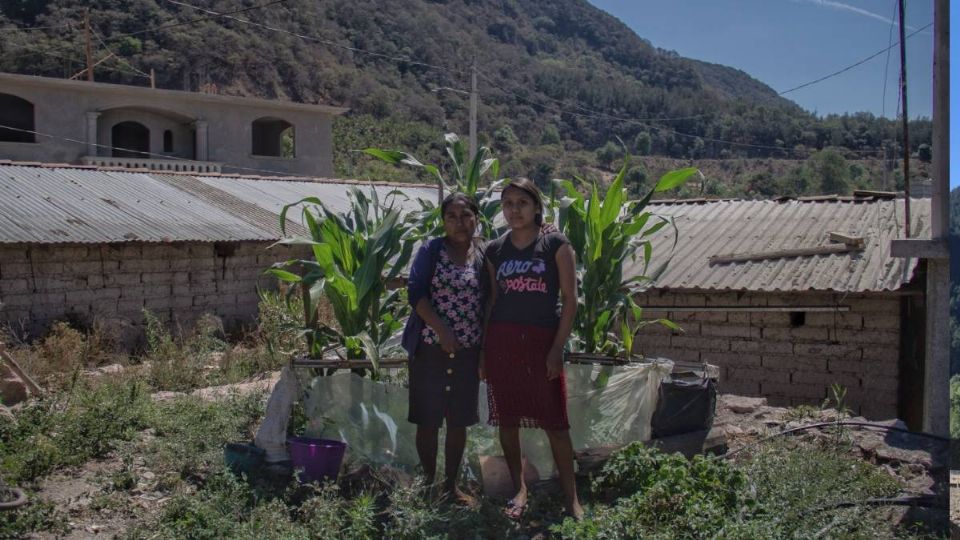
x: 527, y: 282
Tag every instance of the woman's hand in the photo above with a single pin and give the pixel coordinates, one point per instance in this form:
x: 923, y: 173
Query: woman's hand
x: 448, y: 340
x: 554, y: 363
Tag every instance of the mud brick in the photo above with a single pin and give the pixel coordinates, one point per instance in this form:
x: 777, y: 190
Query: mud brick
x: 743, y: 388
x: 758, y: 374
x: 739, y: 317
x: 14, y: 286
x: 881, y: 354
x: 156, y: 278
x: 774, y: 318
x: 14, y: 269
x: 881, y: 322
x: 797, y: 334
x: 792, y: 362
x: 825, y: 379
x: 872, y: 337
x: 831, y: 350
x: 731, y: 359
x: 853, y: 321
x: 774, y: 347
x: 721, y: 330
x: 880, y: 383
x: 836, y: 365
x: 699, y: 343
x: 122, y: 279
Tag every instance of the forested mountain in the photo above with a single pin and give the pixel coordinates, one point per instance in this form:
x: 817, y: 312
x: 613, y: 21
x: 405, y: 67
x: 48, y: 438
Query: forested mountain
x: 560, y: 80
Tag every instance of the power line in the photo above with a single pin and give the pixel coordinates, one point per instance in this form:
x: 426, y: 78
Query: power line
x: 886, y: 63
x: 118, y: 57
x: 319, y: 40
x: 191, y: 21
x: 848, y: 68
x: 60, y: 56
x: 32, y: 28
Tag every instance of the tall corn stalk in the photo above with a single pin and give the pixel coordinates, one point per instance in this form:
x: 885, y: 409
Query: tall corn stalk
x: 606, y: 232
x: 466, y: 175
x: 355, y: 255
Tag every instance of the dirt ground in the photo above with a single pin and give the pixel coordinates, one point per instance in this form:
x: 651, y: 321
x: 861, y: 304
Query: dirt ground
x: 95, y: 509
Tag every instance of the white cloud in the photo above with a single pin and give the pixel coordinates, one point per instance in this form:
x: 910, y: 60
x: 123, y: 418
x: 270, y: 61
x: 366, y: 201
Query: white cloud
x: 853, y: 9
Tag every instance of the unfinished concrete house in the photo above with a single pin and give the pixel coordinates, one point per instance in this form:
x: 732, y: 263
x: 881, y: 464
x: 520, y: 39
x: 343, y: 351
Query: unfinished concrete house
x: 64, y: 121
x: 790, y: 297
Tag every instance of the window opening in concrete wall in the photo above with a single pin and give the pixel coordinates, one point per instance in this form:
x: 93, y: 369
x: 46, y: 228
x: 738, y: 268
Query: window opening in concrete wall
x: 273, y: 137
x: 16, y: 113
x: 130, y: 140
x: 168, y: 141
x: 798, y: 318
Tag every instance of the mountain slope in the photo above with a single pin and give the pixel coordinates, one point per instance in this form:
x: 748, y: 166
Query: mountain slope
x: 551, y: 71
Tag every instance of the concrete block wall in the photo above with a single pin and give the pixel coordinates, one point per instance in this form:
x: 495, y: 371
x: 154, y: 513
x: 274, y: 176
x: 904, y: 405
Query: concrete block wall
x: 783, y: 358
x: 113, y: 283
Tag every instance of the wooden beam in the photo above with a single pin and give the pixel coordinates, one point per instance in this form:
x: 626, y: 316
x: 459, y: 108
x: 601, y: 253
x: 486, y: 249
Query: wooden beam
x: 19, y: 372
x: 853, y: 241
x: 758, y: 309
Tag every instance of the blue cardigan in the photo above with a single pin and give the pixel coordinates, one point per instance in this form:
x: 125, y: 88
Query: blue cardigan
x: 418, y: 287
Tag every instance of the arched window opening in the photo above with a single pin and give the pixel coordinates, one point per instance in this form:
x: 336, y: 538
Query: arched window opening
x: 168, y: 141
x: 130, y: 140
x: 16, y: 119
x: 273, y: 137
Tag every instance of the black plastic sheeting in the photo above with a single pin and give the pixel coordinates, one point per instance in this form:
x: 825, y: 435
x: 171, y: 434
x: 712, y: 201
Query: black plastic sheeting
x: 684, y: 405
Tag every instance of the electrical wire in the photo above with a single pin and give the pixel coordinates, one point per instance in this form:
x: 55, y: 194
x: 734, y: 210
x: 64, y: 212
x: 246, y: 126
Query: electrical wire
x: 198, y: 19
x: 118, y: 57
x: 851, y: 66
x: 320, y: 40
x: 886, y: 62
x: 32, y: 28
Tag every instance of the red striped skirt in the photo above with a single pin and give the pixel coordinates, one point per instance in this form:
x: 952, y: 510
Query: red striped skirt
x: 517, y: 387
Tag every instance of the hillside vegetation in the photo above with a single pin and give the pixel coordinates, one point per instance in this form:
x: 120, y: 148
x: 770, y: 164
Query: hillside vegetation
x: 560, y: 81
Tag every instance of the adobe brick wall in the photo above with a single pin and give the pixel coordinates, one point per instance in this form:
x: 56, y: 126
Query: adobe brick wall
x: 113, y: 283
x: 763, y: 354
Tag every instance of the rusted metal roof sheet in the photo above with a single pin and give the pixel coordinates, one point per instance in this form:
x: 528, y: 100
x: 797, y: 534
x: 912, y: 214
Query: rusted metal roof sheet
x: 764, y: 227
x: 68, y: 205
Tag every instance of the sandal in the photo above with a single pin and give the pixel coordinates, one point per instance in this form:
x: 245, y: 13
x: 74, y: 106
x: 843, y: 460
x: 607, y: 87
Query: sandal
x: 514, y: 511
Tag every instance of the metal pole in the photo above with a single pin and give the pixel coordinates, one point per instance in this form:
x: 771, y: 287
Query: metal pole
x: 936, y: 414
x: 473, y: 110
x: 903, y: 99
x: 88, y: 44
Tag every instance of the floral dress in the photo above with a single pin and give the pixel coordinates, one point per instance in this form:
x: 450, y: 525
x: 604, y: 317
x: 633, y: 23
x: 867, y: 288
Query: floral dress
x: 455, y: 295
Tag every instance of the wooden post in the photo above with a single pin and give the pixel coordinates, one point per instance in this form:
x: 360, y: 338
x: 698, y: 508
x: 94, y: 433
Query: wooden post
x: 153, y: 79
x: 906, y: 118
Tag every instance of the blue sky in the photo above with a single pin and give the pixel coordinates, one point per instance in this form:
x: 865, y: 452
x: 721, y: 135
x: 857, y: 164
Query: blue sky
x: 785, y: 43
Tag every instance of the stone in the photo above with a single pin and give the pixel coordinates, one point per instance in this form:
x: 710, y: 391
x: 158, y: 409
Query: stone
x: 495, y: 476
x: 13, y: 391
x: 740, y: 404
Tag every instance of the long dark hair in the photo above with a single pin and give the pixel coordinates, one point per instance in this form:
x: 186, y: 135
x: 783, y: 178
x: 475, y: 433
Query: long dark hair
x: 459, y: 197
x: 531, y: 190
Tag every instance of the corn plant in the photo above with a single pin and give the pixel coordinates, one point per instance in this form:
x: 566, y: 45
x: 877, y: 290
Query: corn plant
x: 355, y: 256
x: 466, y: 177
x: 606, y: 232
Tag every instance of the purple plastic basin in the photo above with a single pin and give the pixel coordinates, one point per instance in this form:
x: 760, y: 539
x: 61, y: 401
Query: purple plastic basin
x: 318, y: 459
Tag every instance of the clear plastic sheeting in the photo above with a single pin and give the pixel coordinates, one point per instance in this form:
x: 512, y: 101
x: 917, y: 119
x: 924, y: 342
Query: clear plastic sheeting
x: 607, y: 405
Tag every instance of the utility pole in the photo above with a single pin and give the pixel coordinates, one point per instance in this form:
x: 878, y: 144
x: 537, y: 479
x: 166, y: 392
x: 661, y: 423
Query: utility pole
x: 88, y: 43
x: 936, y: 250
x: 903, y: 99
x: 474, y: 98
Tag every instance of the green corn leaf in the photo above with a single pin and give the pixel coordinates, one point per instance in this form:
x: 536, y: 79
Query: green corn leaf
x: 284, y: 275
x: 674, y: 179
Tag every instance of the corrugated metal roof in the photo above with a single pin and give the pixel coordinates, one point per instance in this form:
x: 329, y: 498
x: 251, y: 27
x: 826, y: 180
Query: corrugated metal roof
x: 66, y: 205
x: 63, y: 204
x: 738, y: 227
x: 273, y: 195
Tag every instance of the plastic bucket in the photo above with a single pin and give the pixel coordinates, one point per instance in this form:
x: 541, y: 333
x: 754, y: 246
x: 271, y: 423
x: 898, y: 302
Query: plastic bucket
x: 243, y: 458
x: 318, y: 459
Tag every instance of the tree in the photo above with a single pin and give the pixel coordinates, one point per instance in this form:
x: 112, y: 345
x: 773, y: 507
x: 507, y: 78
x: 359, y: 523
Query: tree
x: 504, y: 139
x: 925, y: 153
x: 550, y: 135
x: 642, y: 143
x: 608, y: 153
x: 829, y: 169
x: 762, y: 185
